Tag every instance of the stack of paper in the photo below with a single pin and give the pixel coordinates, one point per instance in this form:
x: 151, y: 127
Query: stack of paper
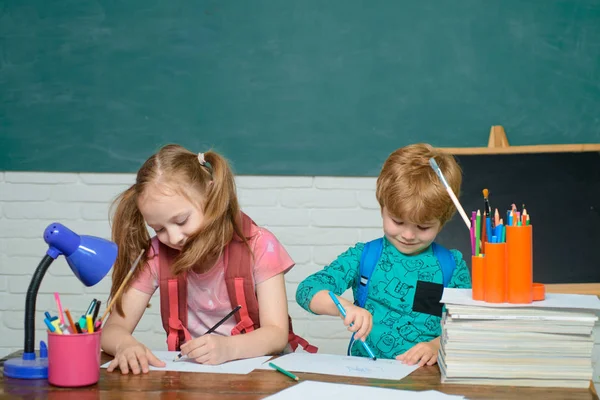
x: 547, y: 343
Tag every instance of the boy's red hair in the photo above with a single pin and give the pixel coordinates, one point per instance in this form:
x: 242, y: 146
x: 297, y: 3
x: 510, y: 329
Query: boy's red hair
x: 409, y: 188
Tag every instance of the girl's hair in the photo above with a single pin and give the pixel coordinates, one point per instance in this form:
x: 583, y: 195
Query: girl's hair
x: 410, y: 189
x: 177, y: 170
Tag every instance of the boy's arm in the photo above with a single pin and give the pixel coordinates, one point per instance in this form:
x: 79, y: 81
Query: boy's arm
x: 312, y: 293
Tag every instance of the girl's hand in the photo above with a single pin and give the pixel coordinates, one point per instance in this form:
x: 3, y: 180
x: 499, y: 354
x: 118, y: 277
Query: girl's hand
x: 209, y: 349
x: 135, y: 356
x: 361, y: 320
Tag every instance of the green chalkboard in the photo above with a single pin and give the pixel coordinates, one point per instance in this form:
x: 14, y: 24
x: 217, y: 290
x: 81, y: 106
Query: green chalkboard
x: 307, y: 87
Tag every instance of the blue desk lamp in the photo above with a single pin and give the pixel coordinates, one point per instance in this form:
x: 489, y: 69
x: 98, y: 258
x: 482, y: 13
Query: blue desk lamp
x: 90, y: 259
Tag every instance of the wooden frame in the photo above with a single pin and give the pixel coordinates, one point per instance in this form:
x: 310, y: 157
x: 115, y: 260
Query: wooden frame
x: 498, y: 144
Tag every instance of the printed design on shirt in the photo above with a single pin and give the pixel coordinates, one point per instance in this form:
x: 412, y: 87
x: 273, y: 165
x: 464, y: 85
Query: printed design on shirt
x: 427, y: 275
x: 303, y: 294
x: 385, y: 263
x: 407, y: 312
x: 409, y: 333
x: 412, y: 265
x: 386, y: 343
x: 325, y: 280
x: 371, y: 309
x: 462, y: 279
x: 391, y: 318
x: 394, y: 288
x: 432, y: 323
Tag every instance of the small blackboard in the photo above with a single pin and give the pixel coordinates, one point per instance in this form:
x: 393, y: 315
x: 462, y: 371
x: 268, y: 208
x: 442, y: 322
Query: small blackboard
x: 561, y: 192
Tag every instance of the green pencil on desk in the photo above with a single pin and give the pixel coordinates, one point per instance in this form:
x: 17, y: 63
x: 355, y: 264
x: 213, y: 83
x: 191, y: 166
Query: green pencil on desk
x: 283, y: 371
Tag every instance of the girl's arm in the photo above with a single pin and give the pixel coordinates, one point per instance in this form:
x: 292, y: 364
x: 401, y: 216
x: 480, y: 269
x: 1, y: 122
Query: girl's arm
x: 272, y: 336
x: 118, y: 329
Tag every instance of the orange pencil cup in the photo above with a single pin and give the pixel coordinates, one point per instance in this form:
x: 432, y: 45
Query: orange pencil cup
x: 494, y: 279
x: 477, y: 275
x: 519, y: 258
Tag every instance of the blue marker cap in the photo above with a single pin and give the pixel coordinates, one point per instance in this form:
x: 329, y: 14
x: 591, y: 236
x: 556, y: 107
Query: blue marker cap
x: 51, y: 327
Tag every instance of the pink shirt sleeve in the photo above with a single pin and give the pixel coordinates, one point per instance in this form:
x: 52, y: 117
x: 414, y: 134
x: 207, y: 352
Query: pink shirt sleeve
x: 147, y: 279
x: 271, y: 258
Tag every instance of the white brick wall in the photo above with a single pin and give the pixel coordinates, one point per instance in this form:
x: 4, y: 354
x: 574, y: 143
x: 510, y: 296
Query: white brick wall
x: 315, y: 218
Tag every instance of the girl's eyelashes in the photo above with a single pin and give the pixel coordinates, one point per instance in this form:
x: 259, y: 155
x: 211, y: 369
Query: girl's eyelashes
x: 423, y: 228
x: 181, y: 223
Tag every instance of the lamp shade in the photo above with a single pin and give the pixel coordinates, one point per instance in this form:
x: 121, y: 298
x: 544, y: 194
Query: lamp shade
x: 89, y: 257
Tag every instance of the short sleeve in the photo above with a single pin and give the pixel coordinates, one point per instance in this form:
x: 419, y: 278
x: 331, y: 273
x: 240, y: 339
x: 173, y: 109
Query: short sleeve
x: 147, y: 280
x: 270, y: 257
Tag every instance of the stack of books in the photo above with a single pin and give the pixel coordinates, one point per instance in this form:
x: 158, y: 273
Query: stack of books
x: 547, y: 343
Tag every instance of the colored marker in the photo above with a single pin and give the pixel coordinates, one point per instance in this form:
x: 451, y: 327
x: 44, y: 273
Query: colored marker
x: 90, y: 324
x: 96, y: 310
x: 78, y: 327
x: 343, y: 312
x: 59, y: 307
x: 70, y: 319
x: 283, y: 371
x: 51, y: 327
x: 56, y: 324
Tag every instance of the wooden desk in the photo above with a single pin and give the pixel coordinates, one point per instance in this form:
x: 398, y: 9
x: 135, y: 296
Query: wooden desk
x: 256, y: 385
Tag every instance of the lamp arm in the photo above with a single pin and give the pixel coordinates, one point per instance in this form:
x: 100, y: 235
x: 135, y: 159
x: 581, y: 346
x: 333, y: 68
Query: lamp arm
x: 34, y: 286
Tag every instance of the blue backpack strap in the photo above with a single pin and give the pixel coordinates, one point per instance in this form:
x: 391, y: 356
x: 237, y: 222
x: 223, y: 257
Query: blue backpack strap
x: 446, y: 260
x: 368, y: 261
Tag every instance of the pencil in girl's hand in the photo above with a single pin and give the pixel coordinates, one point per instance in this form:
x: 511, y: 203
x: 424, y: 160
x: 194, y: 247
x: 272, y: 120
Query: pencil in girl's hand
x: 214, y: 328
x: 283, y: 371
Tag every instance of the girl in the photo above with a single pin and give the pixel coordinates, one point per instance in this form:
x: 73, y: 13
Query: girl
x: 190, y: 201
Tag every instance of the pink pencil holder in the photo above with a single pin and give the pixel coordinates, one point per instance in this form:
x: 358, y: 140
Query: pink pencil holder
x: 74, y: 360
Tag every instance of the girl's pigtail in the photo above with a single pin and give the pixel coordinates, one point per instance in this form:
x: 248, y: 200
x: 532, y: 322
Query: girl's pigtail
x: 131, y: 236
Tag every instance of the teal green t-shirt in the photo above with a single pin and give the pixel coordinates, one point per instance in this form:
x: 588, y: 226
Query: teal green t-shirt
x: 399, y: 285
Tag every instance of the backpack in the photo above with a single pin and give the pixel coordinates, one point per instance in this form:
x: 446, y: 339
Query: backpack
x: 240, y: 288
x: 370, y: 256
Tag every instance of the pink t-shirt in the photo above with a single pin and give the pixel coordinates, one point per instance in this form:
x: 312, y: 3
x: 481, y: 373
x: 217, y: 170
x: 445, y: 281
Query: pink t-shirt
x: 208, y: 301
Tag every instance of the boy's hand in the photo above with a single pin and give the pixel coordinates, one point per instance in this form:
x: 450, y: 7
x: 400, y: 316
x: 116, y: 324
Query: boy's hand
x: 361, y: 320
x: 424, y: 353
x: 208, y: 349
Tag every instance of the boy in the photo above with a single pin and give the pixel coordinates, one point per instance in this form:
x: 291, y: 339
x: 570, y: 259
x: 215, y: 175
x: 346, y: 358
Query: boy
x: 401, y: 315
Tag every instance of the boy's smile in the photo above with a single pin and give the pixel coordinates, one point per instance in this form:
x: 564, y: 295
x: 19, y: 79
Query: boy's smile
x: 409, y: 238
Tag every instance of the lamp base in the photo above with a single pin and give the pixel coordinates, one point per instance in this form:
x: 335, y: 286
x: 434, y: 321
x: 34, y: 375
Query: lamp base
x: 29, y: 366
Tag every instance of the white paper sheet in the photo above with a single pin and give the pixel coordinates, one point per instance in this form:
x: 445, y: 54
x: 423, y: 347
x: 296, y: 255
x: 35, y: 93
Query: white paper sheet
x: 553, y: 300
x: 310, y: 389
x: 331, y: 364
x: 240, y: 367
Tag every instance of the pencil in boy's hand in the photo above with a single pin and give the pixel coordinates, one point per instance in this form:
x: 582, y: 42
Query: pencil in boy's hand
x: 211, y: 330
x: 116, y: 296
x: 283, y: 371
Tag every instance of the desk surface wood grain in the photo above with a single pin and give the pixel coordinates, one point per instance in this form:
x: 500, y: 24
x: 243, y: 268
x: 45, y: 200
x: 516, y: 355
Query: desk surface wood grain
x: 257, y: 385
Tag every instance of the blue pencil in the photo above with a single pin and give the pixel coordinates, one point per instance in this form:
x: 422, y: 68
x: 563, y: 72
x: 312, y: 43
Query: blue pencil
x: 343, y: 312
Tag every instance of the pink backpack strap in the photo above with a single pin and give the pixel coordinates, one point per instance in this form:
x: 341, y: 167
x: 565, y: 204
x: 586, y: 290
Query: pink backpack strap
x: 239, y: 280
x: 173, y: 300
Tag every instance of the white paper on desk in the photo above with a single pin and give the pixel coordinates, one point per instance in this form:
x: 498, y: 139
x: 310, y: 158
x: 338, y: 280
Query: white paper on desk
x: 331, y: 364
x: 322, y: 390
x: 241, y: 367
x: 553, y: 300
